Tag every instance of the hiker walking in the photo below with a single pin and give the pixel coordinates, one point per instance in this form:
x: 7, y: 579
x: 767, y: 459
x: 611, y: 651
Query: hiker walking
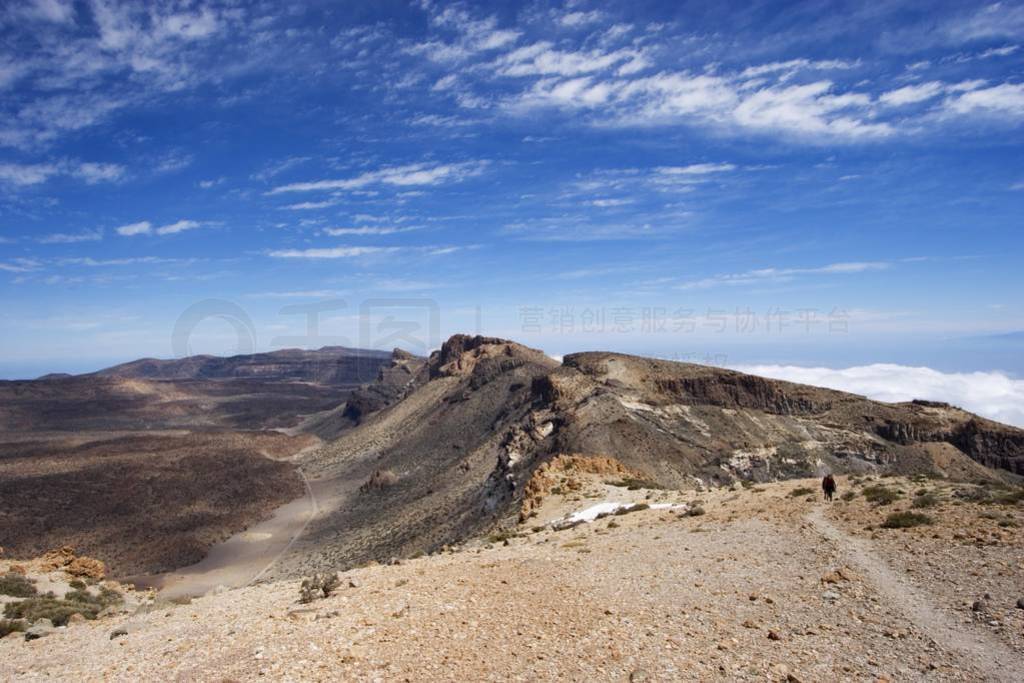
x: 828, y: 485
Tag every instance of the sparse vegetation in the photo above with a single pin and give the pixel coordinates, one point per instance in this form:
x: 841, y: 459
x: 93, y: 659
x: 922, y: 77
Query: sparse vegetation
x: 318, y: 586
x: 801, y: 491
x: 502, y: 535
x: 1009, y: 497
x: 59, y: 610
x: 379, y: 480
x: 905, y: 520
x: 16, y: 585
x: 925, y: 499
x: 849, y: 495
x: 8, y: 626
x: 881, y: 495
x: 635, y: 484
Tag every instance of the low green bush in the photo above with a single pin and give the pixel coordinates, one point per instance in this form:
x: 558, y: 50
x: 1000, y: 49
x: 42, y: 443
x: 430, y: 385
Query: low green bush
x: 8, y: 626
x: 881, y: 495
x: 905, y: 520
x: 927, y: 499
x: 16, y: 585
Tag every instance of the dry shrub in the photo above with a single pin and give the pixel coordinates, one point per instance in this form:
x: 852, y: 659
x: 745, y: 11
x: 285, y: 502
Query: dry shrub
x: 379, y: 480
x: 317, y: 587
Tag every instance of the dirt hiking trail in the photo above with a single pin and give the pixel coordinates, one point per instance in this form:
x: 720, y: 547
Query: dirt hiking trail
x: 992, y: 658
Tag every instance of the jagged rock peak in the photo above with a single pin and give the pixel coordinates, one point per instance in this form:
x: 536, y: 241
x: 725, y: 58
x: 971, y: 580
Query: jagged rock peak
x: 460, y: 355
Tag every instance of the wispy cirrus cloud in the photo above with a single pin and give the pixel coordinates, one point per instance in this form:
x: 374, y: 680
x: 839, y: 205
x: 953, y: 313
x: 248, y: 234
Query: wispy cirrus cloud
x: 147, y: 228
x: 365, y: 230
x: 331, y: 252
x: 409, y: 175
x: 768, y: 275
x: 71, y: 238
x: 24, y: 175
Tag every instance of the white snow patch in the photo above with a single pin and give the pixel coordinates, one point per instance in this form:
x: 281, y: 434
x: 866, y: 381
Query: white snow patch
x: 606, y: 508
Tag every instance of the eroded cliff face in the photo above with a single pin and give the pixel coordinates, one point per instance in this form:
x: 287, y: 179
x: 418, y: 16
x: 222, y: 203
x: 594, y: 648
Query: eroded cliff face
x: 991, y: 444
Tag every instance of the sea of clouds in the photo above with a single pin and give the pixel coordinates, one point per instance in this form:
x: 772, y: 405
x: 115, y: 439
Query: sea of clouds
x: 990, y: 394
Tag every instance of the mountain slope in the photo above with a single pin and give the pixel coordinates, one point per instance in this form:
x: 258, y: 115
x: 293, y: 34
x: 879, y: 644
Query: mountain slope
x: 328, y: 365
x: 484, y: 413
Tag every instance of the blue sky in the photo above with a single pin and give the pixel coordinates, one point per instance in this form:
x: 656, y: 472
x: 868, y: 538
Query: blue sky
x: 816, y: 183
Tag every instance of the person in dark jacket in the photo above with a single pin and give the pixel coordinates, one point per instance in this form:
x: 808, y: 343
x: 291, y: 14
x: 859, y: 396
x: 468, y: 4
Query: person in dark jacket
x: 828, y: 485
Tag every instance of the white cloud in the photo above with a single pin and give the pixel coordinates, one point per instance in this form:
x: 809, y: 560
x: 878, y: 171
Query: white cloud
x: 695, y: 169
x: 768, y: 275
x: 179, y: 226
x: 576, y: 19
x: 912, y: 94
x: 338, y: 232
x: 1006, y: 98
x: 20, y: 265
x: 23, y: 175
x: 608, y: 203
x: 331, y: 252
x: 810, y: 109
x: 147, y: 228
x: 999, y: 52
x: 542, y: 59
x: 140, y: 228
x: 398, y: 176
x: 307, y: 206
x: 92, y: 172
x: 794, y: 65
x: 26, y: 174
x: 58, y: 11
x: 472, y: 36
x: 173, y: 161
x: 990, y: 394
x: 72, y: 238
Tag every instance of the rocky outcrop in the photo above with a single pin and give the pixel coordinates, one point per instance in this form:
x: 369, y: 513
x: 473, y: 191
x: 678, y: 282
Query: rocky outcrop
x: 394, y: 381
x: 728, y: 390
x: 462, y: 353
x: 991, y: 444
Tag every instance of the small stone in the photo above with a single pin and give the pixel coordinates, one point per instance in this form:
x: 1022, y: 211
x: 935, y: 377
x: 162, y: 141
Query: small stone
x: 979, y: 606
x: 76, y: 618
x: 639, y: 676
x: 354, y: 582
x: 749, y: 624
x: 1020, y: 603
x: 830, y: 596
x: 118, y: 632
x: 772, y: 635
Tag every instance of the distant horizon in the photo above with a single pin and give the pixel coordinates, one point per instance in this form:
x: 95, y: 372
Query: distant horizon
x: 991, y: 393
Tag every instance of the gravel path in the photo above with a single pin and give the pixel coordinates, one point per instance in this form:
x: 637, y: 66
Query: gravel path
x: 992, y: 659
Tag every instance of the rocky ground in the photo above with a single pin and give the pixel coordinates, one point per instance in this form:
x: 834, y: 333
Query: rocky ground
x: 769, y: 583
